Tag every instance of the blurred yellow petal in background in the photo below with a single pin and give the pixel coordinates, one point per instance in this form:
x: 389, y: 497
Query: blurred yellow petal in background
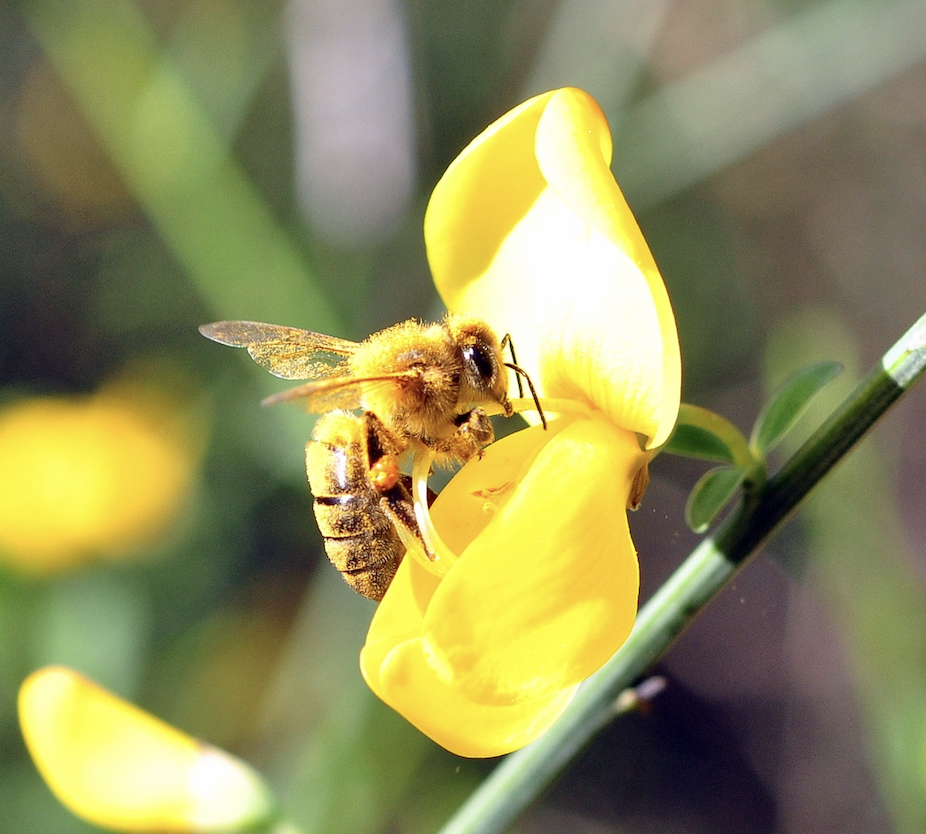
x: 119, y: 767
x: 82, y: 477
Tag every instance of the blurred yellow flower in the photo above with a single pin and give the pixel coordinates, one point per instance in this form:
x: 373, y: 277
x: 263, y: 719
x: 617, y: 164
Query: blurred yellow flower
x: 118, y: 767
x: 89, y: 476
x: 529, y: 231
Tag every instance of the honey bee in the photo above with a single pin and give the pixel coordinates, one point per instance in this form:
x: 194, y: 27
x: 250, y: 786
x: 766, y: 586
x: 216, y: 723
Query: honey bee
x: 414, y: 383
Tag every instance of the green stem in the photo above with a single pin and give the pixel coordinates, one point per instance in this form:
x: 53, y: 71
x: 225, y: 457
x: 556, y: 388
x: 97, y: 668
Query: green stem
x: 522, y: 776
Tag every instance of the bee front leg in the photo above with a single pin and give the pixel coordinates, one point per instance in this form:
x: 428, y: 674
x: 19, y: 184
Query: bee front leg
x: 474, y: 431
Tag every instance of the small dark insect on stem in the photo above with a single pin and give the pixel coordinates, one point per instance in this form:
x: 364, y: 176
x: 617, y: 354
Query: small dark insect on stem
x: 520, y: 372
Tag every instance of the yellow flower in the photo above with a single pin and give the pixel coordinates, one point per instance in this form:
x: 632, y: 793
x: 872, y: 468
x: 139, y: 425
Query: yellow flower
x: 88, y: 476
x: 118, y: 767
x: 529, y: 231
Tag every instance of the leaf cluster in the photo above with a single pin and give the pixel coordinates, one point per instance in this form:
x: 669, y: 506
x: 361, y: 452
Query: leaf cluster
x: 702, y: 434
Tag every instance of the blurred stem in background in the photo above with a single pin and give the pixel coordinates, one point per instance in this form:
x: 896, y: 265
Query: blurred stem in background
x: 178, y: 163
x: 689, y: 129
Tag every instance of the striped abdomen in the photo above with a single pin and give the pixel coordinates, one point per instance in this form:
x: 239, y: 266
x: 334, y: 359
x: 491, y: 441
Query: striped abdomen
x: 360, y: 496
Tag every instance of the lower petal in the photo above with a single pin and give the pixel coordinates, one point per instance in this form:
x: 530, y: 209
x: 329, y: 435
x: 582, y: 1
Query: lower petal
x: 398, y: 618
x: 548, y: 590
x: 407, y: 682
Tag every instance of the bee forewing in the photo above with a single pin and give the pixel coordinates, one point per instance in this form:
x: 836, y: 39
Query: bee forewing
x: 247, y: 333
x: 287, y: 352
x: 288, y: 361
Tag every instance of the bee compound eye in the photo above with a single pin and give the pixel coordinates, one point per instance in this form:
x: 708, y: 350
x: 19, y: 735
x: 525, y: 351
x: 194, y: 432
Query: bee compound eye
x: 480, y: 360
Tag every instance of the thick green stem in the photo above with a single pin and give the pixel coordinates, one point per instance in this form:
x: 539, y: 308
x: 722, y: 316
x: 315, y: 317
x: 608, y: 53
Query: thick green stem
x: 521, y: 777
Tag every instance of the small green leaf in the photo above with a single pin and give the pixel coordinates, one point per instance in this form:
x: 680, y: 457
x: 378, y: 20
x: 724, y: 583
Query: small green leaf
x: 700, y: 433
x: 711, y: 494
x: 789, y: 403
x: 697, y: 442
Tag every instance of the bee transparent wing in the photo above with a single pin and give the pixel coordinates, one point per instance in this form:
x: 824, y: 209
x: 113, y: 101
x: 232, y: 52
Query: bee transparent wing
x: 332, y: 393
x: 287, y: 352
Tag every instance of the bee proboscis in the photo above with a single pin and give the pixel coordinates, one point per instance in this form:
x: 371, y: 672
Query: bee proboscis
x: 415, y: 383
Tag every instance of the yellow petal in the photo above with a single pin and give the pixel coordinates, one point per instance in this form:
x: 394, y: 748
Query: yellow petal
x: 528, y: 230
x: 121, y: 768
x: 395, y: 668
x: 398, y: 617
x: 407, y: 682
x: 547, y: 591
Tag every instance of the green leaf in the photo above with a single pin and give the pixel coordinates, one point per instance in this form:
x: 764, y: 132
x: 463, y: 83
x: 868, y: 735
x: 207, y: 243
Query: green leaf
x: 789, y: 403
x: 711, y: 494
x: 702, y: 434
x: 697, y: 442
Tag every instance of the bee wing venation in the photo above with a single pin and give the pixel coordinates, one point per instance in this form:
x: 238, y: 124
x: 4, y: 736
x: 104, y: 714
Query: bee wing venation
x: 287, y: 352
x: 287, y: 362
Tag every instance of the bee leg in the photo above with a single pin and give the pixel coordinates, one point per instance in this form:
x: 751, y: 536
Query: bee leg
x: 381, y: 443
x: 474, y: 431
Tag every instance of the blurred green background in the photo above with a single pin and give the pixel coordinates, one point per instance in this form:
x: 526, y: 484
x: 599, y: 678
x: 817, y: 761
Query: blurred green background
x: 165, y: 164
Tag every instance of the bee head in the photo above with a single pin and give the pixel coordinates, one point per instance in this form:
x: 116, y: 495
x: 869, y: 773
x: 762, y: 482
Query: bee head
x: 484, y: 377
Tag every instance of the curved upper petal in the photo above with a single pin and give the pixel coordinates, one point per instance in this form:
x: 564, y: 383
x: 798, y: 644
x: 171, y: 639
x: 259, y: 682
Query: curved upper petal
x: 528, y: 230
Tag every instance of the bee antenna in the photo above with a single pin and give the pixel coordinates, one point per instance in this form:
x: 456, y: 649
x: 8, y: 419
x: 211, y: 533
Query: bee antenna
x: 508, y: 343
x: 519, y: 371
